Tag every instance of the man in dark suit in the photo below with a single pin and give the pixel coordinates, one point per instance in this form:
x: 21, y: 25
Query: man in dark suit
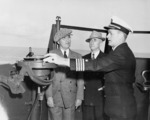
x: 119, y: 67
x: 93, y: 94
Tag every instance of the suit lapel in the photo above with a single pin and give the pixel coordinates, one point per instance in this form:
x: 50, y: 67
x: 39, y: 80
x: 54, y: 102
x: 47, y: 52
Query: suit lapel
x: 59, y: 52
x: 88, y: 56
x: 100, y: 54
x: 71, y: 54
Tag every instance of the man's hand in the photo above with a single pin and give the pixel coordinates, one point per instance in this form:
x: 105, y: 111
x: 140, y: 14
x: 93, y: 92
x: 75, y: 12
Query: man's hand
x: 50, y: 102
x: 54, y: 58
x: 78, y: 103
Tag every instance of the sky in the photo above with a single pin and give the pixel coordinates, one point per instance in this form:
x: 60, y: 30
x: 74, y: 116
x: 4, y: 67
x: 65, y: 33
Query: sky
x: 27, y: 23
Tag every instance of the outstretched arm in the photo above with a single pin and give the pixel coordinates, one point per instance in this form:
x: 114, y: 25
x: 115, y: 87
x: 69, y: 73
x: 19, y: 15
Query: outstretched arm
x: 54, y: 58
x: 106, y: 63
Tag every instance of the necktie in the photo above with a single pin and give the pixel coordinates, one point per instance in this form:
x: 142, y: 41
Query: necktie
x: 65, y: 55
x: 93, y: 56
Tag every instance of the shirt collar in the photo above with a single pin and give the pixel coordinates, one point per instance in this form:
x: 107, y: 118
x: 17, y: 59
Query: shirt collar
x: 67, y: 51
x: 96, y: 53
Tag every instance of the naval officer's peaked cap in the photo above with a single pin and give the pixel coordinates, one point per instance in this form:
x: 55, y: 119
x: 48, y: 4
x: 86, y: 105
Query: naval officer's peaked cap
x: 119, y: 24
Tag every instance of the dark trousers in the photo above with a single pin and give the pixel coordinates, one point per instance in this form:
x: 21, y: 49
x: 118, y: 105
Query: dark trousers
x: 92, y: 112
x: 122, y: 118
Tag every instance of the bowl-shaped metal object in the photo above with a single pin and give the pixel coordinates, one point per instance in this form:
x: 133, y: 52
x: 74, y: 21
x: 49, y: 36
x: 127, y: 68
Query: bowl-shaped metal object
x: 36, y: 63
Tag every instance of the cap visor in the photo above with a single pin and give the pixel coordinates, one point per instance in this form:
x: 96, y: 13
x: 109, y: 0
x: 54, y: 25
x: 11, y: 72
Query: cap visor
x: 109, y: 27
x: 88, y: 40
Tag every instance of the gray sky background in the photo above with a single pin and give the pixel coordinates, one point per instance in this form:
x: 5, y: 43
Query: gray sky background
x: 25, y: 23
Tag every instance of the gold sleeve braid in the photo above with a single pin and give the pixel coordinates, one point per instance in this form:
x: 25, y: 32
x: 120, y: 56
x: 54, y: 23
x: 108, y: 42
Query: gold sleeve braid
x: 76, y: 65
x: 80, y: 65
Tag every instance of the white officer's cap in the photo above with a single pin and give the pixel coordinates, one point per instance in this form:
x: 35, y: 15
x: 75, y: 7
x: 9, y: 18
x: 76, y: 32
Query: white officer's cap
x: 119, y: 24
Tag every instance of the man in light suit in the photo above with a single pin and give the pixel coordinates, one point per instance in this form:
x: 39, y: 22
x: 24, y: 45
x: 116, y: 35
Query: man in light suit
x: 65, y: 94
x: 94, y: 82
x: 119, y: 66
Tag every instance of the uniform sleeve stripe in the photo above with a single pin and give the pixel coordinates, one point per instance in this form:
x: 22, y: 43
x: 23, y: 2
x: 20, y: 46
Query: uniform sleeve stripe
x: 80, y: 65
x: 76, y: 64
x: 83, y: 65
